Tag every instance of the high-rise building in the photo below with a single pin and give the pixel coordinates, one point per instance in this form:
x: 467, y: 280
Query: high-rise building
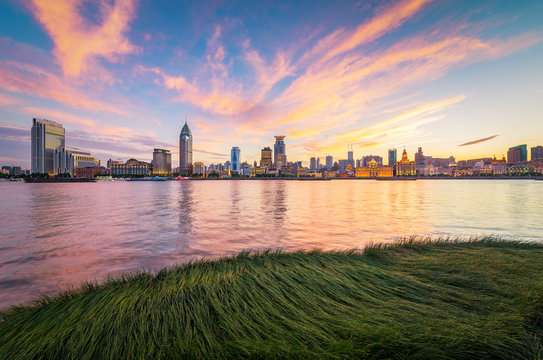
x: 185, y: 150
x: 234, y: 160
x: 312, y: 164
x: 350, y: 158
x: 47, y: 137
x: 537, y: 153
x: 266, y: 158
x: 279, y: 152
x: 517, y: 154
x: 329, y: 162
x: 392, y: 156
x: 318, y: 164
x: 162, y: 162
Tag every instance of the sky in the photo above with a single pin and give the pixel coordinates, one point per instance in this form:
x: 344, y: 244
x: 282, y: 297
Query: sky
x: 461, y: 78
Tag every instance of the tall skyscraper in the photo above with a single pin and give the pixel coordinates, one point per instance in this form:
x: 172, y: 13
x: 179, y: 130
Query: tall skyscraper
x: 392, y: 156
x: 162, y: 162
x: 279, y: 152
x: 234, y: 160
x: 318, y: 167
x: 350, y: 158
x: 47, y: 138
x: 517, y: 154
x: 185, y: 150
x: 329, y: 162
x: 266, y: 159
x: 312, y: 164
x: 537, y: 153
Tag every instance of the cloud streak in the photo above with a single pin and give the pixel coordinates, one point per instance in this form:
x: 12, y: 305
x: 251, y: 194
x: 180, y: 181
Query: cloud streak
x: 478, y: 141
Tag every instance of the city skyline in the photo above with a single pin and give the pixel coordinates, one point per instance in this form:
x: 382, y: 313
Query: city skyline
x: 456, y: 79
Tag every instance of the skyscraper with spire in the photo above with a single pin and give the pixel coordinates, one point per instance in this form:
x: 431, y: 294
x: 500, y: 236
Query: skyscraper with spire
x: 185, y: 150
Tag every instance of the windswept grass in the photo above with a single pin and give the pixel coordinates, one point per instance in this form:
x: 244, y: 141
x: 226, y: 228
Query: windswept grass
x: 419, y: 299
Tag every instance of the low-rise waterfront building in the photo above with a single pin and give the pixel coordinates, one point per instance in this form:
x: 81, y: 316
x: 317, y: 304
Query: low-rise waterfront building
x: 199, y: 169
x: 404, y: 167
x: 130, y: 167
x: 374, y: 170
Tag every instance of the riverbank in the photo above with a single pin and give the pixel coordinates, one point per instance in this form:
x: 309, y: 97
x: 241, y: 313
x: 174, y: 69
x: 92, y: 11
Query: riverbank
x: 475, y: 299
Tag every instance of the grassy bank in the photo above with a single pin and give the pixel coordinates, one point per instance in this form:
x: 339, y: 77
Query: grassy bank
x: 432, y: 300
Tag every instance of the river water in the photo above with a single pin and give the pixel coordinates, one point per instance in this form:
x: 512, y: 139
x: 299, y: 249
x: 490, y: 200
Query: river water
x: 53, y: 236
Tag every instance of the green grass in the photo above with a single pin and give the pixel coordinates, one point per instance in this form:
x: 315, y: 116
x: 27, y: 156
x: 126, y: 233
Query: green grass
x: 419, y: 299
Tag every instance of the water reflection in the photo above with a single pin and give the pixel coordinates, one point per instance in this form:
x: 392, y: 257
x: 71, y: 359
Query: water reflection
x: 56, y: 235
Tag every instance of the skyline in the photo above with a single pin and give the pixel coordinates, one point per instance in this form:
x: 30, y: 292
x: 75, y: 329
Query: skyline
x: 458, y: 80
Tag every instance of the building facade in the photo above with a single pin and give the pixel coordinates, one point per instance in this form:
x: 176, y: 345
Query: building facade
x: 329, y: 162
x: 234, y: 160
x: 392, y: 156
x: 266, y: 159
x: 312, y: 164
x: 162, y: 162
x: 199, y: 169
x: 279, y: 152
x: 537, y: 153
x: 47, y: 138
x: 367, y: 159
x: 130, y: 167
x: 374, y: 170
x: 517, y: 154
x: 404, y: 167
x: 185, y: 150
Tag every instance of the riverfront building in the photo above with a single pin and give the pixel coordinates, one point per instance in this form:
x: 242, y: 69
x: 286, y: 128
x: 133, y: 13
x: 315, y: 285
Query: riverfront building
x: 234, y: 160
x: 392, y: 157
x: 47, y: 138
x: 374, y: 170
x: 279, y: 152
x: 537, y: 153
x: 69, y: 160
x: 329, y: 162
x: 162, y: 162
x: 185, y: 150
x: 405, y: 167
x: 266, y: 158
x: 199, y: 169
x: 517, y: 154
x: 131, y: 167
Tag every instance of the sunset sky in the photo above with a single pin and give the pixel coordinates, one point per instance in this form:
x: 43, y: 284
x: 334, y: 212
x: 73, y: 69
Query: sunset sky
x: 122, y: 76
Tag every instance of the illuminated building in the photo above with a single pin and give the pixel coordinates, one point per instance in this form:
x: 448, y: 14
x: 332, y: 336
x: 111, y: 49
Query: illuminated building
x: 199, y: 168
x: 266, y: 158
x: 162, y: 162
x: 392, y: 156
x: 234, y: 160
x: 185, y: 150
x: 245, y: 169
x: 373, y: 170
x: 517, y: 154
x: 499, y: 167
x: 47, y: 138
x: 404, y: 167
x: 130, y: 167
x: 279, y: 152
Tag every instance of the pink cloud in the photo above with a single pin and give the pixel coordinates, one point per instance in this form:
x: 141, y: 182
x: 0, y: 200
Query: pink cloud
x: 79, y: 44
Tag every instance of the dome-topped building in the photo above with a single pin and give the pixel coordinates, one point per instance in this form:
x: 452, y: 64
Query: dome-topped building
x: 185, y: 150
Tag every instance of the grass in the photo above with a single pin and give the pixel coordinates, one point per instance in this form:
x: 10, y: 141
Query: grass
x: 419, y: 299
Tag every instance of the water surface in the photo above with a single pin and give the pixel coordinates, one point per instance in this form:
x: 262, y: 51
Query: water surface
x: 53, y: 236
